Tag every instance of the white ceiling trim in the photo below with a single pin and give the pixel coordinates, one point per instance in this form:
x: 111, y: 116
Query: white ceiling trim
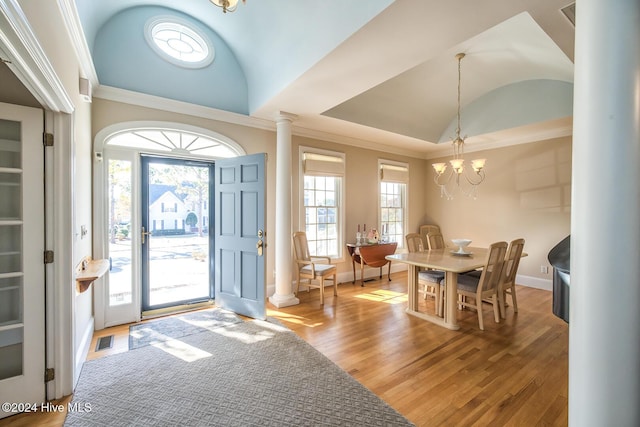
x: 526, y: 134
x: 28, y: 60
x: 78, y: 39
x: 179, y: 107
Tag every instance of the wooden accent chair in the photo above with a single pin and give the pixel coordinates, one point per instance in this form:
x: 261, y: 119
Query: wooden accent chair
x: 375, y: 256
x: 428, y: 279
x: 476, y: 289
x: 309, y: 269
x: 508, y: 283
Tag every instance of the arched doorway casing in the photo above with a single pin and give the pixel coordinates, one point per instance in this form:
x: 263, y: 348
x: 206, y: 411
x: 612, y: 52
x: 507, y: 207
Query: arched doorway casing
x: 117, y: 204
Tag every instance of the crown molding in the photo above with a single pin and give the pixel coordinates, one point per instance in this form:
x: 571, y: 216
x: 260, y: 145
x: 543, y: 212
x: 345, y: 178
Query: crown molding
x: 28, y: 60
x: 74, y: 28
x: 558, y: 128
x: 111, y: 93
x: 180, y: 107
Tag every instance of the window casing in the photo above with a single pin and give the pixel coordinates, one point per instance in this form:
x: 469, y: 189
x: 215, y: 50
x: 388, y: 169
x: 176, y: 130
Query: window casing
x: 322, y: 179
x: 179, y: 42
x: 394, y: 178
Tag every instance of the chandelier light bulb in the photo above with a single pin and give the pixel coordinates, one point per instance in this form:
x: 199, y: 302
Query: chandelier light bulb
x: 439, y: 167
x: 227, y: 5
x: 457, y: 165
x: 478, y: 164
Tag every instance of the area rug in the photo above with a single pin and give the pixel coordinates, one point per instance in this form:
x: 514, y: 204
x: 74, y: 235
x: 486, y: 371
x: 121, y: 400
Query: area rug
x: 253, y: 373
x: 195, y: 322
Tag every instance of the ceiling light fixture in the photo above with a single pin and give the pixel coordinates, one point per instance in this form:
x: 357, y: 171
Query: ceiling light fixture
x: 449, y: 179
x: 227, y: 5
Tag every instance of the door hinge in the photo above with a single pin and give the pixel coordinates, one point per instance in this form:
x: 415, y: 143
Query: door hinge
x: 48, y: 257
x: 49, y: 374
x: 47, y: 139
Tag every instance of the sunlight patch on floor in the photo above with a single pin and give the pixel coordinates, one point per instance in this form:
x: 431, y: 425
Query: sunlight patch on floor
x: 292, y: 318
x: 245, y: 338
x: 182, y: 350
x: 384, y: 295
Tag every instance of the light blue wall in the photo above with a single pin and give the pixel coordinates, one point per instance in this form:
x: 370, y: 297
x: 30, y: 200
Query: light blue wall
x: 123, y: 59
x: 514, y: 105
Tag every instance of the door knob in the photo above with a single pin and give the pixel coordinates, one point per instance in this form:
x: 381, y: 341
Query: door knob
x: 145, y: 233
x: 260, y: 244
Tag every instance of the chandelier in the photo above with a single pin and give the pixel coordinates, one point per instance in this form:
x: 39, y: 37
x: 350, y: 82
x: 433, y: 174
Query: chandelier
x: 450, y: 180
x: 227, y: 5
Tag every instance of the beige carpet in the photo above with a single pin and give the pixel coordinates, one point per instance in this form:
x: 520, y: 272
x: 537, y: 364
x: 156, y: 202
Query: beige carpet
x: 251, y: 373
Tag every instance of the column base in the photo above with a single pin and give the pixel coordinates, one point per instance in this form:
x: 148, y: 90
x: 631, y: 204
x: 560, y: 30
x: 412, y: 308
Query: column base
x: 280, y: 301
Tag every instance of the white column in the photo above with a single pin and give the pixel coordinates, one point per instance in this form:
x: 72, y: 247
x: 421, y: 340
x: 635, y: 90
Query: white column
x: 283, y: 296
x: 604, y: 345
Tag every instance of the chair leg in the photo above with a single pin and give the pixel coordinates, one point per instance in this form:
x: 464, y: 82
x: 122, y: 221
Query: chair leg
x: 496, y: 311
x: 335, y: 285
x: 322, y: 291
x: 502, y: 296
x: 436, y: 298
x: 388, y: 271
x: 514, y: 300
x: 479, y: 310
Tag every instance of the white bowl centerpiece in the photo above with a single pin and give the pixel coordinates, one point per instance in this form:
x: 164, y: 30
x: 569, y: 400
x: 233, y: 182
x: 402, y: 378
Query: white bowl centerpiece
x: 461, y: 244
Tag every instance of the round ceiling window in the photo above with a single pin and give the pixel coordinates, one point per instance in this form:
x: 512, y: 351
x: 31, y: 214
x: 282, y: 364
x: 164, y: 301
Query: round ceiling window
x: 179, y: 42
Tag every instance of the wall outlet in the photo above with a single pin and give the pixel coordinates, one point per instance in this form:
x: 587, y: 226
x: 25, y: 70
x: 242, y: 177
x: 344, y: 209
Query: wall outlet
x: 544, y: 269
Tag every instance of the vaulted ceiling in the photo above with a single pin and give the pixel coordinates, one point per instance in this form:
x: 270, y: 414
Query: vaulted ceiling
x: 374, y: 73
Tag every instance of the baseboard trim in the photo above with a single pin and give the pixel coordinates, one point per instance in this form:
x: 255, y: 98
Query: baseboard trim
x: 83, y: 351
x: 534, y: 282
x: 374, y: 273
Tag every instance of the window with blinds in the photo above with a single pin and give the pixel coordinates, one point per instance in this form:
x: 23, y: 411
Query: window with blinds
x: 394, y: 177
x: 322, y: 190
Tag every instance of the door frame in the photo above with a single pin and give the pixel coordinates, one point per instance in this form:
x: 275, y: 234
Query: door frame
x: 144, y: 220
x: 30, y: 64
x: 101, y: 154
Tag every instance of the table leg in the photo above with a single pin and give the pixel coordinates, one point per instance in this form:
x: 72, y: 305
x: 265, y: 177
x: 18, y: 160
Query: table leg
x: 412, y: 291
x: 353, y: 265
x: 451, y: 299
x: 413, y: 301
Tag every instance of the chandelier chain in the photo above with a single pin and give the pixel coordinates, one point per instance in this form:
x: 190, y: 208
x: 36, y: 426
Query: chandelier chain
x: 448, y: 178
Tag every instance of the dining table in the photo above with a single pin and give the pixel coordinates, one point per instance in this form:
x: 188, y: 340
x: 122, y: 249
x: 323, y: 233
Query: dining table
x: 453, y: 264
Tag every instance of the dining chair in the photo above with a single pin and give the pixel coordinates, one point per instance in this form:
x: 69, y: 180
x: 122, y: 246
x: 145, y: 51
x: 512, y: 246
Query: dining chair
x: 435, y: 240
x: 510, y: 269
x: 309, y: 269
x: 486, y: 287
x: 426, y: 229
x: 429, y: 280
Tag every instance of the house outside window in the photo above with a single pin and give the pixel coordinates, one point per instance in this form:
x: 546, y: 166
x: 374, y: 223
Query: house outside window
x: 322, y: 203
x: 394, y: 178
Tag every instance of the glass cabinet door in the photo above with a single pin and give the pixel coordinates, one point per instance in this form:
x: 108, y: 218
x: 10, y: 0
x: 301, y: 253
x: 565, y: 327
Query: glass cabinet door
x: 22, y: 284
x: 11, y: 232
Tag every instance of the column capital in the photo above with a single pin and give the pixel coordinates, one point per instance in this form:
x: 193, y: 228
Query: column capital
x: 284, y: 116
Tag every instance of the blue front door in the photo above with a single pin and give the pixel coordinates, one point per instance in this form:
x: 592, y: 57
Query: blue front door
x: 240, y: 235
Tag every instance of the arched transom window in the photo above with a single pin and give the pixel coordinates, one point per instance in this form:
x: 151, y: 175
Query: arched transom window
x: 179, y: 142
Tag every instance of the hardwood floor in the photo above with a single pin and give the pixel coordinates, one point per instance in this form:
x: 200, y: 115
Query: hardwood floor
x: 513, y: 373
